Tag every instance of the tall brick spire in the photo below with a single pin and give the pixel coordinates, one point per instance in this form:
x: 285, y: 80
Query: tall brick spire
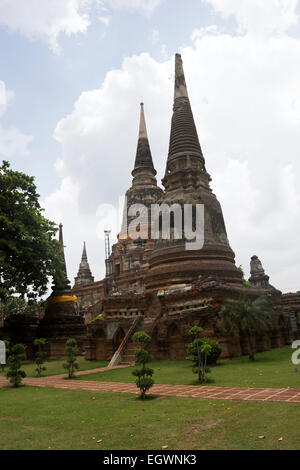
x: 143, y: 154
x: 184, y: 137
x: 144, y: 171
x: 61, y: 243
x: 84, y: 275
x: 186, y: 181
x: 144, y: 189
x: 185, y: 164
x: 61, y: 281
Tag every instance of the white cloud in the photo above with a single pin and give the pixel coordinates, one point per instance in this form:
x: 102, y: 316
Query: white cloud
x: 5, y: 97
x: 144, y: 6
x: 48, y: 19
x: 12, y: 141
x: 245, y: 97
x: 45, y: 19
x: 155, y: 36
x: 259, y: 16
x: 105, y: 20
x: 101, y: 133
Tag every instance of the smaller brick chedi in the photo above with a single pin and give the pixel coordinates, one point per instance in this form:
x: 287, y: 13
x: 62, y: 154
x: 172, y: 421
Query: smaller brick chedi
x: 84, y: 275
x: 62, y: 319
x: 129, y: 261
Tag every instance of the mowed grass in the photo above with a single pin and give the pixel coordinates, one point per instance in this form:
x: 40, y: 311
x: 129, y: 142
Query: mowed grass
x: 55, y: 366
x: 46, y: 418
x: 270, y: 369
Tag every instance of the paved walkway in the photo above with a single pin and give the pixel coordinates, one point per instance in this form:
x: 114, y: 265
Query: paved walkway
x: 284, y: 395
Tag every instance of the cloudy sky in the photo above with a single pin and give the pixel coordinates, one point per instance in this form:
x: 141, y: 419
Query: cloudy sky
x: 72, y: 74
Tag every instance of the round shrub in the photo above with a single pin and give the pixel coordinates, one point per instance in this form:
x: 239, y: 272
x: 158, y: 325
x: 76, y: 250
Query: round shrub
x: 213, y: 356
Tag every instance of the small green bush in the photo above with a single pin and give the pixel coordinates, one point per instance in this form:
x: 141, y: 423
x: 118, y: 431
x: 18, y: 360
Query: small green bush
x: 144, y: 379
x: 214, y: 354
x: 200, y: 349
x: 140, y: 337
x: 14, y: 362
x: 71, y: 352
x: 40, y: 355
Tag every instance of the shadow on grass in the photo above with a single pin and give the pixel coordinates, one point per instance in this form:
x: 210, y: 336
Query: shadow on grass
x: 208, y: 381
x: 147, y: 398
x: 8, y: 387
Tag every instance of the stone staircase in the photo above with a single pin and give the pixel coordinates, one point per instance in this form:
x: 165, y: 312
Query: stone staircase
x: 122, y: 350
x: 128, y: 356
x: 125, y: 353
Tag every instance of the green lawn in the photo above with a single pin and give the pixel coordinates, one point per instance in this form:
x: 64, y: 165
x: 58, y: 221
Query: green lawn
x: 271, y: 369
x: 44, y: 418
x: 55, y: 366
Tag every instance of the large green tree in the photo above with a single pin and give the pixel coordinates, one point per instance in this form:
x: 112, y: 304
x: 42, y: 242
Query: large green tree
x: 29, y: 253
x: 18, y: 306
x: 246, y: 317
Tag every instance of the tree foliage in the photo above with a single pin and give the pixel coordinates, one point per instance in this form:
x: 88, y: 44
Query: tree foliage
x: 244, y: 280
x: 29, y: 253
x: 14, y: 362
x: 198, y: 352
x: 144, y: 379
x: 72, y: 352
x: 40, y: 355
x: 18, y: 306
x: 247, y: 317
x: 214, y: 354
x: 140, y: 337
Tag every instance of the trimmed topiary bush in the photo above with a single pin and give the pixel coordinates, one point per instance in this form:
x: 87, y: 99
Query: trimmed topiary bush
x: 144, y: 379
x: 200, y: 351
x: 72, y: 352
x: 40, y: 355
x: 14, y: 362
x: 214, y: 353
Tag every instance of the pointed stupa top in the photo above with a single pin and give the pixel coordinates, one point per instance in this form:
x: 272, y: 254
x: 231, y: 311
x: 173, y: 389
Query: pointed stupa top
x: 143, y: 129
x: 144, y: 189
x: 84, y: 275
x: 184, y: 138
x: 62, y: 283
x: 180, y: 88
x: 61, y: 243
x: 84, y: 255
x: 143, y: 157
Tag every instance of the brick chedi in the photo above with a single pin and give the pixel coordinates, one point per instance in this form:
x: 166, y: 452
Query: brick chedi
x: 259, y: 278
x: 84, y: 275
x: 186, y: 181
x: 158, y: 285
x: 62, y: 319
x: 129, y: 260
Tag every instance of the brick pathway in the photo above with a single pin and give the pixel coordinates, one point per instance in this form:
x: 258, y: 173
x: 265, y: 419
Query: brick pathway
x: 284, y: 395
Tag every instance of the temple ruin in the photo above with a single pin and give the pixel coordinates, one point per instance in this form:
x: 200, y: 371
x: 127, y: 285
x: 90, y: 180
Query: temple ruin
x: 156, y: 284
